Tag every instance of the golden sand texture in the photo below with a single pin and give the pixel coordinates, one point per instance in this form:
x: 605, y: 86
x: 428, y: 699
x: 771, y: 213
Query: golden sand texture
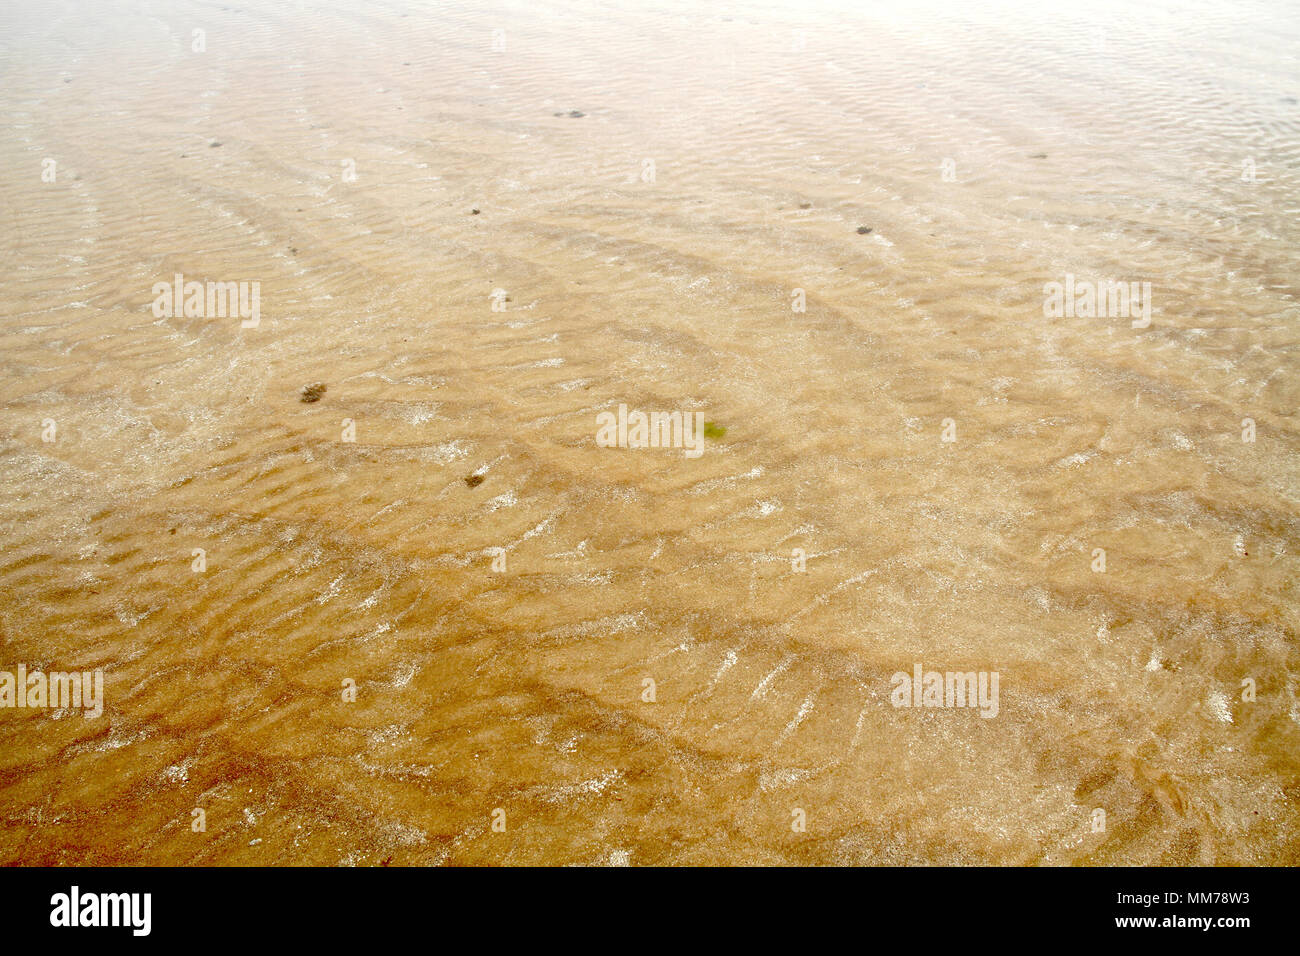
x: 498, y: 586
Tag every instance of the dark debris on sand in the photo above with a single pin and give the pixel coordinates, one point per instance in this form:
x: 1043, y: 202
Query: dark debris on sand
x: 863, y: 230
x: 313, y: 392
x: 473, y: 480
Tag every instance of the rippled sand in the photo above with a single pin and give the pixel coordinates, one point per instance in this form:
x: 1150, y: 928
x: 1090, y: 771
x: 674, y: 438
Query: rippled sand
x: 1110, y: 144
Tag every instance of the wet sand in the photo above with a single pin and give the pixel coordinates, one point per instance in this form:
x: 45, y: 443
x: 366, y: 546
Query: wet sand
x: 650, y: 252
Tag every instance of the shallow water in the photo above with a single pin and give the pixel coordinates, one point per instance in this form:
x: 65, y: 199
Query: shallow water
x: 650, y: 252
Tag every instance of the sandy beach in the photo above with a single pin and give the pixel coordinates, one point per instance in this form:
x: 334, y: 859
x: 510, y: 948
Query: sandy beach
x: 427, y: 614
